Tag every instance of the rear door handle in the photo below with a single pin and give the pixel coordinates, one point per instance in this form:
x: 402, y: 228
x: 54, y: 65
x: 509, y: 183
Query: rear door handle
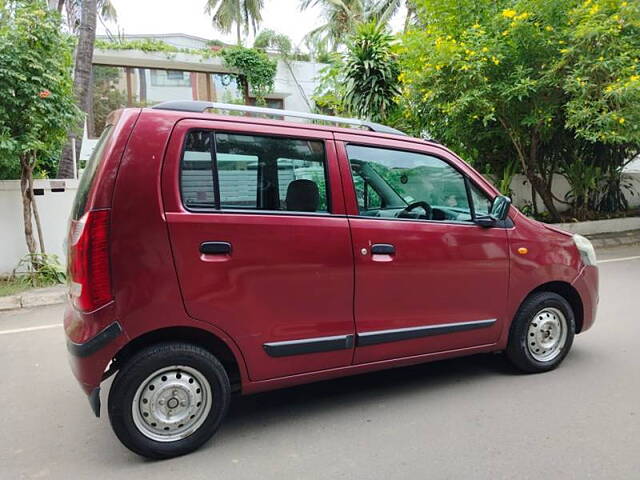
x: 215, y: 248
x: 383, y: 249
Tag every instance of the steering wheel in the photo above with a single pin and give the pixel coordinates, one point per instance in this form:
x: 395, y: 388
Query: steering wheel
x: 411, y: 206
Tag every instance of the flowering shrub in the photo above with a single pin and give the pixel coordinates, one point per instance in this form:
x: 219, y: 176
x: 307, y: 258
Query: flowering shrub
x: 537, y: 83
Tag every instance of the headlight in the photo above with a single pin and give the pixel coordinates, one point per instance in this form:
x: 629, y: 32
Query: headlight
x: 587, y: 252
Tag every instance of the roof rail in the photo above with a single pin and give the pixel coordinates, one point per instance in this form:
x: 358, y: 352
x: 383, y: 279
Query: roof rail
x: 200, y: 106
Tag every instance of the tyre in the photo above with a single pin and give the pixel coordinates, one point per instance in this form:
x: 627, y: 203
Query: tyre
x: 541, y: 333
x: 168, y: 400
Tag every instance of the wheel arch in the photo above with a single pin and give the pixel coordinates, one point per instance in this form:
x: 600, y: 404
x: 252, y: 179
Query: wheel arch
x: 196, y: 336
x: 569, y: 293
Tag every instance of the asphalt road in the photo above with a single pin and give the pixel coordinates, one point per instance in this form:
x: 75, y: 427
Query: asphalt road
x: 466, y: 418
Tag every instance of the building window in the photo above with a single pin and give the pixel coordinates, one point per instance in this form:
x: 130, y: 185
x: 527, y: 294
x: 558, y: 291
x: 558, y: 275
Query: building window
x: 170, y: 78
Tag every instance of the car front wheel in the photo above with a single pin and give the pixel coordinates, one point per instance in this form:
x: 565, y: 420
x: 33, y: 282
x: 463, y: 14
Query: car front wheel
x: 541, y: 333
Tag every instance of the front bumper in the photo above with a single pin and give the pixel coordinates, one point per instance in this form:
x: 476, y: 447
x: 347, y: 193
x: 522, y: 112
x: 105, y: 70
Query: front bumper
x: 586, y: 283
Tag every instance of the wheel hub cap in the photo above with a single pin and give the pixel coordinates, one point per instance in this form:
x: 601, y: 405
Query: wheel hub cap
x: 171, y: 403
x: 546, y: 334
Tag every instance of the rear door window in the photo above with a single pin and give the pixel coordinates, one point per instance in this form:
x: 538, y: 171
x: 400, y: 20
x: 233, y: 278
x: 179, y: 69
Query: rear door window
x: 225, y: 171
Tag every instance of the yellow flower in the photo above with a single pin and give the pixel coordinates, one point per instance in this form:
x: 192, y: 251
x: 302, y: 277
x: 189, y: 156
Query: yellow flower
x: 522, y: 16
x: 495, y: 60
x: 509, y: 13
x: 549, y: 28
x: 485, y: 49
x: 624, y: 4
x: 564, y: 50
x: 505, y: 33
x: 635, y: 78
x: 621, y: 120
x: 476, y: 26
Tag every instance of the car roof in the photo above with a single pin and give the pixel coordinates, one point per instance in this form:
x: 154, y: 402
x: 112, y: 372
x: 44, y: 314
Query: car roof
x: 181, y: 115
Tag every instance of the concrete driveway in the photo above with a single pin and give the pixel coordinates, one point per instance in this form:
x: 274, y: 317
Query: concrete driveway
x: 466, y: 418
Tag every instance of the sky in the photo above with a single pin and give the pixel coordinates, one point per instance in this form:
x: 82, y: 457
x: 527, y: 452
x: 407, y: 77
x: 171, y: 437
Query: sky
x: 187, y: 16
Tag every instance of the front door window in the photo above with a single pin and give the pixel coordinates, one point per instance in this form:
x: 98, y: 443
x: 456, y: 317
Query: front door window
x: 399, y: 184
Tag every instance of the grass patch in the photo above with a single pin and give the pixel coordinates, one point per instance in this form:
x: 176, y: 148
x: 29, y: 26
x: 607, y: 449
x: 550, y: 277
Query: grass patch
x: 11, y: 286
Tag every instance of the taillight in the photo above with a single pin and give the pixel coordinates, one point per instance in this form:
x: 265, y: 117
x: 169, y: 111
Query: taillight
x: 89, y: 268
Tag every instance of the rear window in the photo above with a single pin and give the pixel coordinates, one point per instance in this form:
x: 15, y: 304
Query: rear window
x: 252, y: 172
x: 86, y: 181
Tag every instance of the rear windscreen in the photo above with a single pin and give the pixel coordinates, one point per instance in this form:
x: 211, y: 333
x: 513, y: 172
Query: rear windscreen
x: 80, y: 202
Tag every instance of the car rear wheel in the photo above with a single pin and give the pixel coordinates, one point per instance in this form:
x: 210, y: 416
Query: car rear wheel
x: 168, y: 400
x: 541, y: 333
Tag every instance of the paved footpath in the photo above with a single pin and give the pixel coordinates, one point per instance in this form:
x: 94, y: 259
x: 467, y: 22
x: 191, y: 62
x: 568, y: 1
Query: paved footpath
x: 470, y: 418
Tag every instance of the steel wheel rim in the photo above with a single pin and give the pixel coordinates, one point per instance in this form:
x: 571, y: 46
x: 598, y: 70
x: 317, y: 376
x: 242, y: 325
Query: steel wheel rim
x: 547, y: 334
x: 171, y: 403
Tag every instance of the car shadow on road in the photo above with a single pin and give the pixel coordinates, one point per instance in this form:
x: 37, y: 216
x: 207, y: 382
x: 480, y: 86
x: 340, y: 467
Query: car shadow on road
x: 359, y: 390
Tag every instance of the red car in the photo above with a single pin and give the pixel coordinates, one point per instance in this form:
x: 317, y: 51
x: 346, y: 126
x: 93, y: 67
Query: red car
x: 212, y: 255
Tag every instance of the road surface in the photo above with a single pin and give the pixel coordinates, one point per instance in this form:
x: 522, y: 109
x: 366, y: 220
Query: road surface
x: 461, y: 419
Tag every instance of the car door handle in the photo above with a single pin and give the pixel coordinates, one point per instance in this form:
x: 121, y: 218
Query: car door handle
x: 215, y: 248
x: 383, y: 249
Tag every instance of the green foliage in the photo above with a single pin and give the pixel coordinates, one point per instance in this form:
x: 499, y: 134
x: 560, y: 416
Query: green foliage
x: 271, y: 40
x: 331, y: 88
x: 371, y: 73
x: 541, y: 82
x: 39, y: 270
x: 253, y: 68
x: 106, y: 97
x: 146, y: 45
x: 602, y: 65
x: 151, y: 45
x: 36, y: 91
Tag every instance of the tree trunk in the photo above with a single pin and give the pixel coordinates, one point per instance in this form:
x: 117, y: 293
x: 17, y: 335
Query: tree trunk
x: 244, y: 85
x: 238, y: 36
x: 25, y: 175
x: 532, y: 170
x: 81, y: 81
x: 34, y: 207
x: 411, y: 10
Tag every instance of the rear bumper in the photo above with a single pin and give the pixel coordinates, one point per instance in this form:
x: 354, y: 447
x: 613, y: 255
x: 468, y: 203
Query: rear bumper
x: 90, y: 354
x: 587, y: 286
x: 101, y: 340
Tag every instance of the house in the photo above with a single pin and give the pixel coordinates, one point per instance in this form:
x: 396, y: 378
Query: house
x: 137, y: 77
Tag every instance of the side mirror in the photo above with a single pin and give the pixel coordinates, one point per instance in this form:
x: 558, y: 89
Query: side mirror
x: 499, y: 212
x: 500, y: 207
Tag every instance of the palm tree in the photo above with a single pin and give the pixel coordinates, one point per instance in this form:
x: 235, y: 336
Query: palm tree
x: 244, y: 14
x: 343, y: 16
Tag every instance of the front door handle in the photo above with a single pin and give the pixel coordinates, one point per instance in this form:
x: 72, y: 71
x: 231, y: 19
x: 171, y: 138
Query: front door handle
x: 215, y: 248
x: 383, y: 249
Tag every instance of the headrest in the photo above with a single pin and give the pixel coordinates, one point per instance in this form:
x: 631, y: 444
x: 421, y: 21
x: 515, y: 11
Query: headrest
x: 303, y: 196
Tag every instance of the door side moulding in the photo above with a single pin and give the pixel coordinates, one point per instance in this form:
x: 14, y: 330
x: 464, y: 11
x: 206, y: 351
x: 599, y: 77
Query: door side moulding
x: 345, y: 342
x: 309, y: 345
x: 395, y: 335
